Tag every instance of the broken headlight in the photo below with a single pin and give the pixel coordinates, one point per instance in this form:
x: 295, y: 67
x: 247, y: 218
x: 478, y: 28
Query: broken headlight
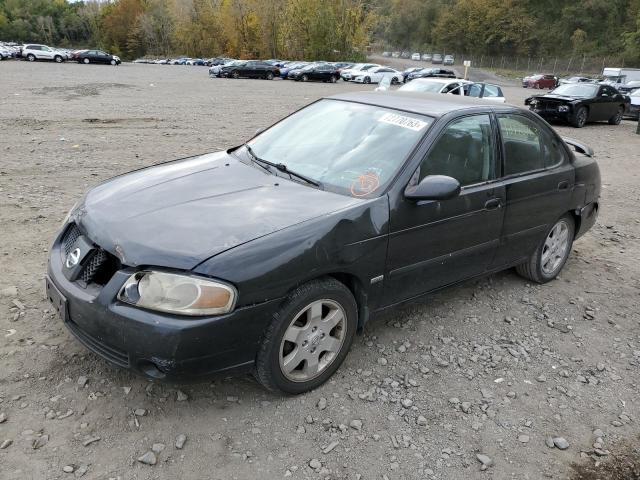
x: 178, y: 293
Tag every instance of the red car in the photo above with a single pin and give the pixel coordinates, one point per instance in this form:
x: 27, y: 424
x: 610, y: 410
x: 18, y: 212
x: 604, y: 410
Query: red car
x: 540, y: 81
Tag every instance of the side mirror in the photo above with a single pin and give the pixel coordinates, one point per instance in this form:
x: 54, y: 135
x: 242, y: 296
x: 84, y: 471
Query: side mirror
x: 434, y: 187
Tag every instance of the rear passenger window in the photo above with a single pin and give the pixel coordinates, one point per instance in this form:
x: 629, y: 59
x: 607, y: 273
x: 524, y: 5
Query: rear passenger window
x: 522, y: 140
x: 492, y: 91
x: 465, y: 152
x: 527, y: 146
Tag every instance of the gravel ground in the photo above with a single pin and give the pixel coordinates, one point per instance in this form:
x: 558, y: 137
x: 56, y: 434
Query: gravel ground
x: 494, y: 379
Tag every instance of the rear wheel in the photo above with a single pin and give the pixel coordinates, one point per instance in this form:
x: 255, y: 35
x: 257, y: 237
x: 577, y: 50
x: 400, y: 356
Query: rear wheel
x: 394, y: 81
x: 367, y: 80
x: 308, y: 338
x: 235, y: 75
x: 580, y: 117
x: 334, y: 79
x: 617, y: 118
x: 58, y: 59
x: 86, y: 61
x: 548, y: 259
x: 270, y: 76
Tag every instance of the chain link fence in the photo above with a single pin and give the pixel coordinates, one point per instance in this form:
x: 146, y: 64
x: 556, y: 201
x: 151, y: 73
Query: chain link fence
x: 561, y: 66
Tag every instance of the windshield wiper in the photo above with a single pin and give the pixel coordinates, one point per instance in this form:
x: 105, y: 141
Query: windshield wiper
x: 280, y: 167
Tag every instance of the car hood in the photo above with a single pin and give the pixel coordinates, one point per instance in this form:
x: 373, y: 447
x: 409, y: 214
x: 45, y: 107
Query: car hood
x: 179, y: 214
x: 564, y: 98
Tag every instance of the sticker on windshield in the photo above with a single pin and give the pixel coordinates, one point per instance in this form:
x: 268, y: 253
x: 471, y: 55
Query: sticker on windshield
x: 403, y: 121
x: 365, y: 184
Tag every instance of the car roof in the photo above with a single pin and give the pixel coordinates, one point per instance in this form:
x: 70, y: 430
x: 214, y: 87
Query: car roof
x: 431, y: 104
x: 443, y: 81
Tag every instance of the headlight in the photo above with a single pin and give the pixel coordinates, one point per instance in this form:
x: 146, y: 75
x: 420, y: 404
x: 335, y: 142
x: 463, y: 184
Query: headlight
x: 176, y: 293
x: 563, y: 108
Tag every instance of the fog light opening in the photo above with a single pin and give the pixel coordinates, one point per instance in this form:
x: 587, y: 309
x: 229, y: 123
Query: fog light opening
x: 151, y: 369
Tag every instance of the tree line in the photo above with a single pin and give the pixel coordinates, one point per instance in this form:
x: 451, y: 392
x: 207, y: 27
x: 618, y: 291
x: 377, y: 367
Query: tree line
x: 328, y: 29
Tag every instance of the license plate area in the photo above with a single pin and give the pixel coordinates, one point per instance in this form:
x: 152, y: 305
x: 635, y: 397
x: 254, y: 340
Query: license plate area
x: 56, y: 298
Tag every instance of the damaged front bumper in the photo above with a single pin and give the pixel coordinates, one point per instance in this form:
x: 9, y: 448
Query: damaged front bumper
x: 157, y: 345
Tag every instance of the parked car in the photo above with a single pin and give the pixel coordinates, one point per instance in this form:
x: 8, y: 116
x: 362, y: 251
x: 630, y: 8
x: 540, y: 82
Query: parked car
x: 349, y: 73
x: 634, y: 104
x: 377, y: 74
x: 431, y: 72
x: 564, y: 81
x: 95, y: 56
x: 540, y: 81
x: 395, y: 54
x: 195, y: 62
x: 405, y: 55
x: 249, y: 69
x: 270, y: 256
x: 448, y: 60
x: 408, y: 71
x: 628, y: 87
x: 342, y: 65
x: 33, y: 52
x: 436, y: 58
x: 415, y: 56
x: 436, y: 85
x: 4, y: 53
x: 426, y: 57
x: 319, y: 72
x: 580, y: 103
x: 386, y: 54
x: 284, y: 71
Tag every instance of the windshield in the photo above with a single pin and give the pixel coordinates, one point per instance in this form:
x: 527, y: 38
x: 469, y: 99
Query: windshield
x: 635, y: 93
x: 420, y: 86
x: 576, y: 90
x: 350, y: 148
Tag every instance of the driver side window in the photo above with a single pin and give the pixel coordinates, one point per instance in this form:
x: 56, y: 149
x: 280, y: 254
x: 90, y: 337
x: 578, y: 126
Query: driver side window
x: 465, y: 151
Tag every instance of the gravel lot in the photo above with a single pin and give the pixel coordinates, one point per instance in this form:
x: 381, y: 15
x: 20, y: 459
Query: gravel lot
x: 494, y: 367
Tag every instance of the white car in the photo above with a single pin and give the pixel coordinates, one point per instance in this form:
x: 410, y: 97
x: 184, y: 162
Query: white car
x: 350, y: 73
x: 33, y: 52
x: 634, y: 106
x: 415, y: 56
x: 455, y: 86
x: 377, y: 74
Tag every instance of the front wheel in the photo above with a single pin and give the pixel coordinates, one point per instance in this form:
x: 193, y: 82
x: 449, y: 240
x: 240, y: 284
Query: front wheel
x: 548, y: 259
x: 113, y: 62
x: 333, y: 79
x: 86, y: 61
x: 304, y: 78
x: 580, y: 118
x: 367, y: 80
x: 235, y: 75
x: 308, y: 338
x: 58, y: 59
x: 394, y: 81
x: 617, y: 118
x: 270, y: 76
x: 31, y: 57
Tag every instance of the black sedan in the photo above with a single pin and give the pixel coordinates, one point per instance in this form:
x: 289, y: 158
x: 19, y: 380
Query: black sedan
x: 430, y: 72
x: 249, y: 69
x: 320, y: 72
x: 270, y: 256
x: 95, y: 56
x: 579, y: 103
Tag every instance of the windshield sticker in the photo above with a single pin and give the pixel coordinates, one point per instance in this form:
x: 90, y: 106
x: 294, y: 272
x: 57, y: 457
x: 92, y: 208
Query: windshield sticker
x: 365, y: 184
x: 403, y: 121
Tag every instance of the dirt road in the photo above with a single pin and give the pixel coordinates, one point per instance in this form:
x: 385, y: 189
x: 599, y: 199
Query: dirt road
x: 492, y: 367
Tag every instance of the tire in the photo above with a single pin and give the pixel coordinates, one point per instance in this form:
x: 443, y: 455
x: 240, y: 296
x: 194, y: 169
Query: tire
x: 558, y: 241
x: 235, y: 75
x: 580, y: 117
x: 617, y: 118
x: 86, y: 61
x: 31, y: 57
x: 333, y: 301
x: 334, y: 79
x: 395, y: 81
x: 58, y: 59
x: 304, y: 78
x: 270, y: 76
x: 113, y: 62
x: 367, y: 80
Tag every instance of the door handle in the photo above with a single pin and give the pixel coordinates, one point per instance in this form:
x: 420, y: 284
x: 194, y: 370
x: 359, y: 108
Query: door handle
x: 492, y: 204
x: 564, y: 185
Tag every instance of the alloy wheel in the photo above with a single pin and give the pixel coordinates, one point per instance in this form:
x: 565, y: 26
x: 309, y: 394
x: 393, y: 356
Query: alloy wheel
x: 313, y: 340
x: 555, y: 248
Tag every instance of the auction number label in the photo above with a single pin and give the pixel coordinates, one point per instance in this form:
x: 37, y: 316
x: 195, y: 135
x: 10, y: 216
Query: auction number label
x: 403, y: 121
